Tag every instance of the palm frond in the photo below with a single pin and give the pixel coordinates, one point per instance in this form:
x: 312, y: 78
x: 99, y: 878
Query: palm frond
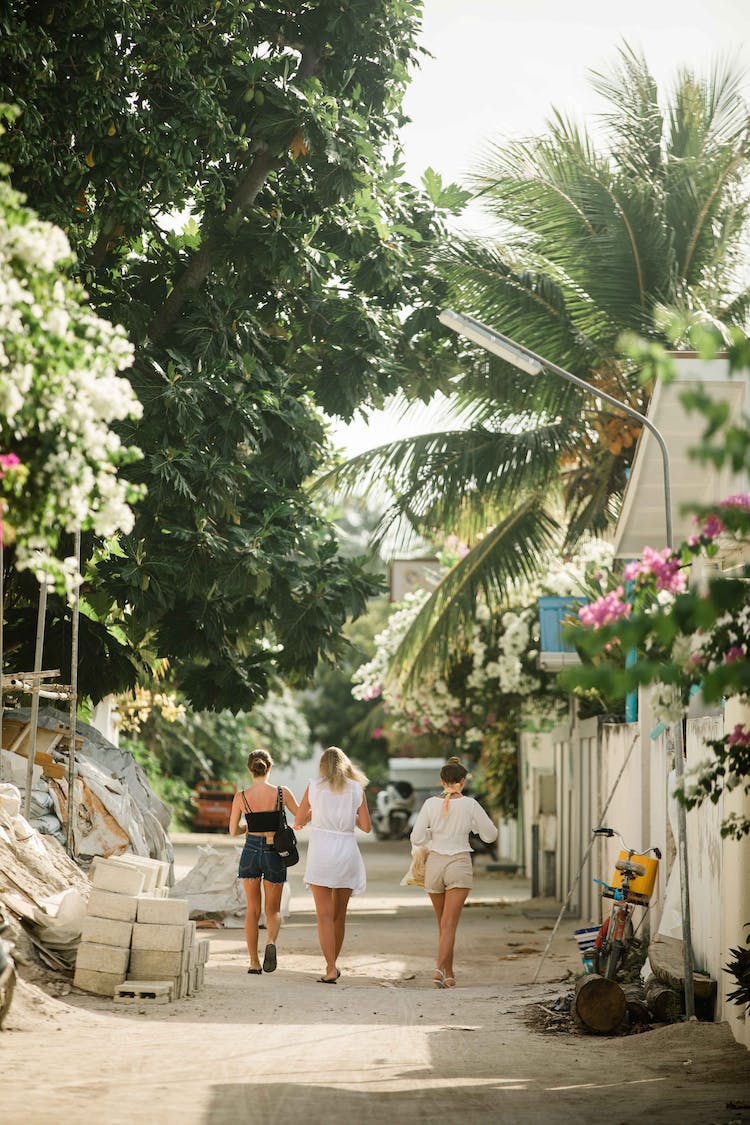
x: 507, y: 557
x: 634, y: 121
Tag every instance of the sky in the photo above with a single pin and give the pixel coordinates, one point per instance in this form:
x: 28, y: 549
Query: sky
x: 497, y: 68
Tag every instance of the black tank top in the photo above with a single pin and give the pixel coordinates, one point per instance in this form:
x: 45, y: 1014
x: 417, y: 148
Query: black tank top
x: 260, y: 821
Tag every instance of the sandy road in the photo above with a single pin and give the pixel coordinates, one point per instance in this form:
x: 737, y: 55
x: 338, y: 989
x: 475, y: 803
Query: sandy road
x: 380, y: 1046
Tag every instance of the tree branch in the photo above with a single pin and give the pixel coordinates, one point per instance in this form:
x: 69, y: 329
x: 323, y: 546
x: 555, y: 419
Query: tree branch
x: 243, y: 197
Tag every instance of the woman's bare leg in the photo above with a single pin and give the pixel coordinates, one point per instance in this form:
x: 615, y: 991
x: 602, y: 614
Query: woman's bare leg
x: 341, y: 896
x: 272, y: 896
x: 252, y: 917
x: 323, y: 898
x: 455, y: 898
x: 438, y: 905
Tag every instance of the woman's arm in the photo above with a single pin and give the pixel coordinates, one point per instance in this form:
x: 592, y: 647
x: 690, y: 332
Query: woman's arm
x: 363, y: 816
x: 304, y: 811
x: 235, y: 815
x: 420, y: 833
x: 482, y: 825
x: 290, y: 801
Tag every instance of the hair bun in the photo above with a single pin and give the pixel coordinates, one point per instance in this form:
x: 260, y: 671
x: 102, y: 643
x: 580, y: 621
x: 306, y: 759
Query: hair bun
x: 455, y: 760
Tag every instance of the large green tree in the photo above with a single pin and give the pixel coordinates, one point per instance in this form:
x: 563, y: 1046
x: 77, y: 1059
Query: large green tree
x: 595, y: 236
x: 287, y: 288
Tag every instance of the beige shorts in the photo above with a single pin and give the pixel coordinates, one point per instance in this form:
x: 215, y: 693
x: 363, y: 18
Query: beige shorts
x: 445, y: 872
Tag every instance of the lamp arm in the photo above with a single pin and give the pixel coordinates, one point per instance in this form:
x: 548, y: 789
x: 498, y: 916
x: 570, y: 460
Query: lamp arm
x: 549, y: 366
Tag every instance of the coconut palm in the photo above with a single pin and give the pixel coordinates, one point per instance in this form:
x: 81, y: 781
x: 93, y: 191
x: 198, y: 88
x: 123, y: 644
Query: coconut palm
x: 594, y: 237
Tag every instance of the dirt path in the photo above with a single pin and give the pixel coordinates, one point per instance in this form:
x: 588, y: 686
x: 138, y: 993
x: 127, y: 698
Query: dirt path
x: 380, y: 1046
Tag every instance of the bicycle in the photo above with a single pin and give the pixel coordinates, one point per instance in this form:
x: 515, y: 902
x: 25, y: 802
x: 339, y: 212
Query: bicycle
x: 633, y: 885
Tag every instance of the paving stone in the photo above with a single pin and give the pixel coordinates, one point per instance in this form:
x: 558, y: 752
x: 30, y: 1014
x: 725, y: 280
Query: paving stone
x: 107, y: 904
x: 102, y: 958
x: 163, y: 911
x: 144, y: 991
x: 103, y: 984
x: 106, y: 931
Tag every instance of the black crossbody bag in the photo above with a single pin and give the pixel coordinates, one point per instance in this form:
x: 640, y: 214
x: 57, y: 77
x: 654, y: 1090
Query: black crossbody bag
x: 284, y: 840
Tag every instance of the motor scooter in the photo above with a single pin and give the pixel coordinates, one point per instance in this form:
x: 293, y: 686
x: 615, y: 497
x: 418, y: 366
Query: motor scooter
x: 392, y: 817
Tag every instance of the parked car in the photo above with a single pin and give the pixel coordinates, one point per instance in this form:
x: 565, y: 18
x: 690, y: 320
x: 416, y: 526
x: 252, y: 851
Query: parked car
x: 212, y: 801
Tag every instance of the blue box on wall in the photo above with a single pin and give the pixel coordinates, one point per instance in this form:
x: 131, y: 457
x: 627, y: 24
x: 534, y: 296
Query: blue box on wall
x: 553, y: 613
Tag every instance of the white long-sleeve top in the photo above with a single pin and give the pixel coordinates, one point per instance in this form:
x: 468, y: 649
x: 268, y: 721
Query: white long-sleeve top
x: 449, y: 835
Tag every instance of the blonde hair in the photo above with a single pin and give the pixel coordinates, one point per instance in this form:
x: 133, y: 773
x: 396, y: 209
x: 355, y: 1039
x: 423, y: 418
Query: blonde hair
x: 259, y: 762
x: 337, y: 769
x: 453, y: 771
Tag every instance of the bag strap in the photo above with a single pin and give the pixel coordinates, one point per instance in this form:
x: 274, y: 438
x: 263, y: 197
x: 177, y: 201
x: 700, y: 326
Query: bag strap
x: 280, y: 808
x: 243, y: 799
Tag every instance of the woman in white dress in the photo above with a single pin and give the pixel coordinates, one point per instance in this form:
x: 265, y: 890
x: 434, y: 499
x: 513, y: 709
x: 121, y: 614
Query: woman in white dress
x: 334, y: 804
x: 443, y: 826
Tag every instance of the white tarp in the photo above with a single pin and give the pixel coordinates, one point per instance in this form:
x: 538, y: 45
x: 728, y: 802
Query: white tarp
x: 213, y: 890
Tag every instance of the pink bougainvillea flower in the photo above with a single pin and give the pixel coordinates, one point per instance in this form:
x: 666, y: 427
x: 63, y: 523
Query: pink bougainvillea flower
x: 739, y: 500
x: 9, y: 460
x: 736, y: 652
x: 740, y: 736
x: 663, y: 566
x: 605, y: 610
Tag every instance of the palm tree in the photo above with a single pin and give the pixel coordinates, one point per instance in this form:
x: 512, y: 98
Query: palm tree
x: 593, y: 239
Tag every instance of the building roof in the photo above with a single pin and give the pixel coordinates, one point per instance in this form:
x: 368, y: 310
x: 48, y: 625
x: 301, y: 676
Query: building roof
x: 642, y: 519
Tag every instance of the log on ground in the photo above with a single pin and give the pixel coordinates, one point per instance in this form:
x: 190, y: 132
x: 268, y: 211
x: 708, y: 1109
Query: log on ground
x: 600, y: 1004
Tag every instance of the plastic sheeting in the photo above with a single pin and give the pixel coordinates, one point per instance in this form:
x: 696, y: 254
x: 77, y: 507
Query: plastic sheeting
x: 115, y: 809
x: 213, y: 890
x: 39, y: 882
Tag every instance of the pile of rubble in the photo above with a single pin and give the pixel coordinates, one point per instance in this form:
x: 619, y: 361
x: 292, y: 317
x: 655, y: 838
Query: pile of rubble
x: 44, y: 894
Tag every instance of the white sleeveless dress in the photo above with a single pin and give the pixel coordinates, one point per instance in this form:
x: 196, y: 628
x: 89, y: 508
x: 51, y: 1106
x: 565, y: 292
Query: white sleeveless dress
x: 333, y: 858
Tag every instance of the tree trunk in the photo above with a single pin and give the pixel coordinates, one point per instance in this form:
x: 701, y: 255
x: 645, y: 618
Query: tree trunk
x: 664, y: 1002
x: 600, y: 1004
x: 638, y: 1009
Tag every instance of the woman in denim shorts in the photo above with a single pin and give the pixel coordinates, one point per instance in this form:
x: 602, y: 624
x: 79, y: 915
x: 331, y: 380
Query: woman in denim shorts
x: 443, y: 826
x: 259, y: 861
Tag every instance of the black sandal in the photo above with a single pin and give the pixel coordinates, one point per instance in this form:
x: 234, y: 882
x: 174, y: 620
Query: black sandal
x: 269, y: 959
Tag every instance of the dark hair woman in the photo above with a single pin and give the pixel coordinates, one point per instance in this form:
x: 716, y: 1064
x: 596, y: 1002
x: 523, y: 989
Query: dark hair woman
x: 443, y: 826
x: 259, y: 860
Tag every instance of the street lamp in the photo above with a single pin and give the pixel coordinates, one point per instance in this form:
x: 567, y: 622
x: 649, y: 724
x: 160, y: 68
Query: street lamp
x: 534, y: 364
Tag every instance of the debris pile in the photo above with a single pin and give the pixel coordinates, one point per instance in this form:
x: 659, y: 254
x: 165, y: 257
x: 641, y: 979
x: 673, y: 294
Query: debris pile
x: 114, y: 808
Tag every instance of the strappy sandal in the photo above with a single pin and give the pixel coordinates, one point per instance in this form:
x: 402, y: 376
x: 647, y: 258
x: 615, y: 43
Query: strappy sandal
x: 438, y: 978
x: 450, y: 982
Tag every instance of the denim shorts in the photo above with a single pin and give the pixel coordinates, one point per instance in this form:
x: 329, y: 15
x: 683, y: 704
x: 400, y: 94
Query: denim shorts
x: 259, y: 859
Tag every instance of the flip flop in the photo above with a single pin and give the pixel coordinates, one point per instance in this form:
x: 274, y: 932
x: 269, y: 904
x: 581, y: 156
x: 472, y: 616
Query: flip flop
x: 438, y: 978
x: 255, y: 972
x: 327, y: 980
x: 269, y: 959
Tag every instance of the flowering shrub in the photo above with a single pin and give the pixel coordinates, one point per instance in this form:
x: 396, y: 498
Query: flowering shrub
x: 494, y: 685
x: 684, y: 639
x: 59, y: 392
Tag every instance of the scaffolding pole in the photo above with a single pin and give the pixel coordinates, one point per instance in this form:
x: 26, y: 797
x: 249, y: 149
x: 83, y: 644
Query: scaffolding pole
x: 75, y: 618
x: 38, y: 650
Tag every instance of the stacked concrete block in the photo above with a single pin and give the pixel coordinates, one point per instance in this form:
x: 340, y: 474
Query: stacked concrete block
x: 104, y: 951
x: 136, y: 940
x: 164, y: 945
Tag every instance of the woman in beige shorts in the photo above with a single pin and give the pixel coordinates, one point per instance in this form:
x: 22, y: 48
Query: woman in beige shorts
x: 443, y: 826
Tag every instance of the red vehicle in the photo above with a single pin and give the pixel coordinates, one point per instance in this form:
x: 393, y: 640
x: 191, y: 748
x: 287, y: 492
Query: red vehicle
x: 213, y: 804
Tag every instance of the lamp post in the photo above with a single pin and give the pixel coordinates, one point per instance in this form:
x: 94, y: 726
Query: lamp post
x: 533, y: 364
